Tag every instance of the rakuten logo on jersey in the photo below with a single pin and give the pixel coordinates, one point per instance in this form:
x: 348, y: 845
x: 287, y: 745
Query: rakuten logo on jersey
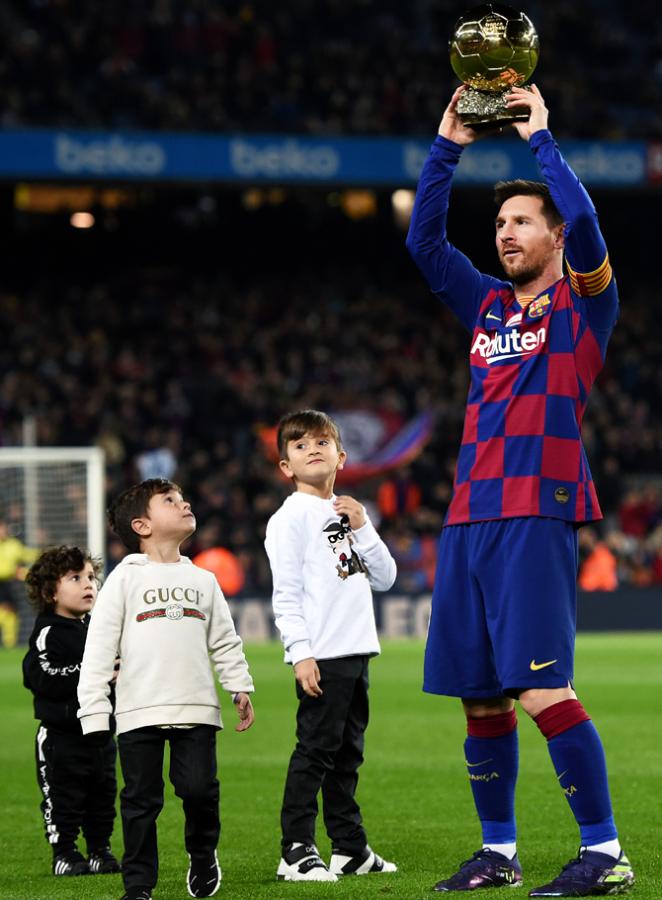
x: 510, y: 345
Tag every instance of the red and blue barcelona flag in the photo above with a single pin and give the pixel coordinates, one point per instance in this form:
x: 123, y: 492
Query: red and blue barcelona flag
x: 375, y: 441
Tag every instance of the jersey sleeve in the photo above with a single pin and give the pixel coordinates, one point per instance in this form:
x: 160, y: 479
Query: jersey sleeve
x: 284, y: 545
x: 587, y: 259
x: 450, y: 274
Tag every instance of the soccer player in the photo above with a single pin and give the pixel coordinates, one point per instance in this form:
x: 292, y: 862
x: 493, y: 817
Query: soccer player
x: 503, y: 608
x: 166, y: 619
x: 76, y: 774
x: 325, y: 556
x: 13, y: 556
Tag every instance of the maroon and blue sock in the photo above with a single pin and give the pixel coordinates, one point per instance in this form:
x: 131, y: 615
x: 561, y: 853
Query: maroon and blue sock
x: 579, y: 759
x: 492, y: 756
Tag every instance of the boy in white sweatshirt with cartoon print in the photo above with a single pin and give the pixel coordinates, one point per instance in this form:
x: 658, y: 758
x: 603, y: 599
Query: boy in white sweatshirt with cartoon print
x: 166, y: 619
x: 325, y: 557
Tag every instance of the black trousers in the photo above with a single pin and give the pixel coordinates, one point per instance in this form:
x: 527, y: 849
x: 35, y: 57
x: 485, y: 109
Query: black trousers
x: 328, y: 753
x: 78, y: 786
x: 193, y: 776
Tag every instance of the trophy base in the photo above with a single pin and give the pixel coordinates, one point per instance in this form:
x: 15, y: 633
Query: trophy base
x: 488, y: 110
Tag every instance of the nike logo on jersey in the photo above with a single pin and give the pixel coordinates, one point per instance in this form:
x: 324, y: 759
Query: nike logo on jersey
x: 534, y: 666
x: 473, y: 765
x: 509, y: 345
x: 492, y: 316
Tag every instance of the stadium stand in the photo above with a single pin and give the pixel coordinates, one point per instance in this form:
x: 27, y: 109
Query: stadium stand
x: 375, y: 67
x: 179, y: 374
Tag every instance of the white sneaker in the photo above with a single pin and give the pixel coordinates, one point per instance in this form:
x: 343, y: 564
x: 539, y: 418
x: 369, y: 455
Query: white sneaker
x: 364, y: 864
x: 302, y: 862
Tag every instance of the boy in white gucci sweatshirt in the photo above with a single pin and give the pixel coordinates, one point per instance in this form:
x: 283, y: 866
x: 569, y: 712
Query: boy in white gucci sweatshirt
x: 166, y: 619
x: 325, y: 557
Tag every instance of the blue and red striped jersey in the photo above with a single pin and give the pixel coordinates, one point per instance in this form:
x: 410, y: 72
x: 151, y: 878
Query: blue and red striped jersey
x: 532, y: 363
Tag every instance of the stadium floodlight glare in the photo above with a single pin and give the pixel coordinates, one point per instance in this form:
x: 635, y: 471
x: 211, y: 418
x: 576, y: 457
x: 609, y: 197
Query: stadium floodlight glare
x: 82, y: 220
x: 402, y: 202
x: 54, y: 495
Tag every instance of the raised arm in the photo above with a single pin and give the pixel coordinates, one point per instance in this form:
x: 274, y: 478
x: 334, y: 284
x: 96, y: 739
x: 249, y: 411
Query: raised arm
x: 368, y: 544
x: 448, y: 271
x: 375, y: 554
x: 585, y: 249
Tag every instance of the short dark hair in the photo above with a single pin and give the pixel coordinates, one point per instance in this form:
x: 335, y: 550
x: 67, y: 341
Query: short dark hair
x: 41, y: 581
x: 305, y: 421
x: 132, y: 504
x: 504, y: 190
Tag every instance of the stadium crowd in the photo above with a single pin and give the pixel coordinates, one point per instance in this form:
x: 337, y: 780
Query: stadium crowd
x: 179, y: 379
x: 373, y: 67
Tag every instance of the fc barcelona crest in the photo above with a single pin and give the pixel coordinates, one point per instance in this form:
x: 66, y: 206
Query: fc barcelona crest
x: 538, y: 307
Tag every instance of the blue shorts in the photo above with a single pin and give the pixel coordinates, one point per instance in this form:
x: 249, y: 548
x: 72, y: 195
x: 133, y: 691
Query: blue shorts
x: 503, y: 608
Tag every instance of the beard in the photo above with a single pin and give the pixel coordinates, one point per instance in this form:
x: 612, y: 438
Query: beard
x: 522, y: 275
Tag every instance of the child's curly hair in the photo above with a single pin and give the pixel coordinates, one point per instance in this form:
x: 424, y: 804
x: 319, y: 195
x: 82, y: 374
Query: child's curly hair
x: 42, y: 579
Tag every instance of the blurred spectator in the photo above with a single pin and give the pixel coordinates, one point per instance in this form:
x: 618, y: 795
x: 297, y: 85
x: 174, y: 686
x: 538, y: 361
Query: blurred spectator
x: 415, y: 556
x: 158, y: 460
x: 398, y: 495
x: 597, y: 572
x: 195, y: 365
x: 654, y: 544
x: 375, y: 67
x: 639, y: 511
x: 609, y: 484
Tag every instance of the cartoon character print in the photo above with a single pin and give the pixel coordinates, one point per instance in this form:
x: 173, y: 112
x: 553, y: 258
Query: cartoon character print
x: 339, y: 537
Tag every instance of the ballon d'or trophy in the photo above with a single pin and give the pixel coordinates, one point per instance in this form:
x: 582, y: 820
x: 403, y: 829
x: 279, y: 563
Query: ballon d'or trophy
x: 493, y: 48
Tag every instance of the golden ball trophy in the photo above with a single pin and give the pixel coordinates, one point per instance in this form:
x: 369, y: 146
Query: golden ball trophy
x: 493, y: 48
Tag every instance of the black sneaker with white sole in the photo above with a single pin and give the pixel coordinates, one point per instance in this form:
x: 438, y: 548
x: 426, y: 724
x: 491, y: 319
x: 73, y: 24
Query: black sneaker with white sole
x: 302, y: 862
x: 365, y: 863
x: 204, y: 875
x: 102, y: 862
x: 70, y: 863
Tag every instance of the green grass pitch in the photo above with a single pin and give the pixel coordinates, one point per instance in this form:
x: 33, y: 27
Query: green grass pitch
x: 413, y: 788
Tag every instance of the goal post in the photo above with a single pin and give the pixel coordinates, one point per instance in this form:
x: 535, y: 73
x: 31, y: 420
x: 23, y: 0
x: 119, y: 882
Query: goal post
x: 54, y: 495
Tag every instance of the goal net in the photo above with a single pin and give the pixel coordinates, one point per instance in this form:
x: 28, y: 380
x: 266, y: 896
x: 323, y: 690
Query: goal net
x: 54, y: 495
x: 51, y: 496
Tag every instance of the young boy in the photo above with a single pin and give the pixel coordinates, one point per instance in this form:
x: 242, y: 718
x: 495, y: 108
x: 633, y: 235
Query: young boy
x: 325, y: 555
x: 164, y: 617
x: 76, y: 774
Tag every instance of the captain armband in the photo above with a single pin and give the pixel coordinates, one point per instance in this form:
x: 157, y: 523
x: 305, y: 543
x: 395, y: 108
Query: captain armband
x: 588, y: 284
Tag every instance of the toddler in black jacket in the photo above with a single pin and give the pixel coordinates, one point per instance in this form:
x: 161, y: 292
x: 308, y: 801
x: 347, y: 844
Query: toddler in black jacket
x: 76, y: 774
